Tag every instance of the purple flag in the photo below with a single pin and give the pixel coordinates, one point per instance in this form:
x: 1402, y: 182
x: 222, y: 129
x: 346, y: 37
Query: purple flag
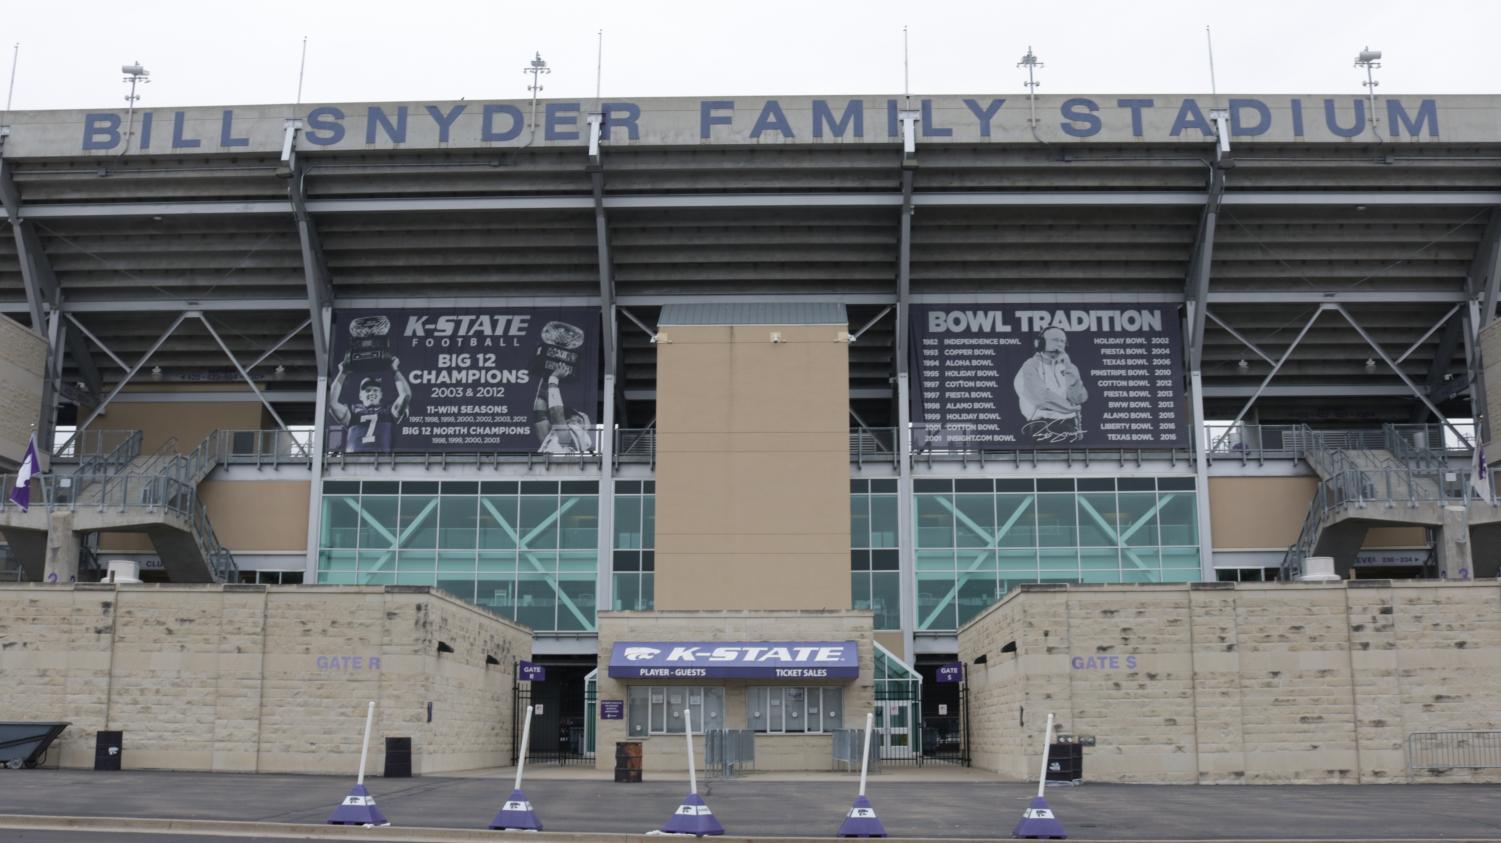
x: 30, y: 467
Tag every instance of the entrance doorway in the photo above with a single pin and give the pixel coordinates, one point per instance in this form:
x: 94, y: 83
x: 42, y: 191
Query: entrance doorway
x: 561, y: 706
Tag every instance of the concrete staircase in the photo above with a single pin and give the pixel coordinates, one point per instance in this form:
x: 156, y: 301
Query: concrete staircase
x: 1383, y: 479
x: 122, y: 491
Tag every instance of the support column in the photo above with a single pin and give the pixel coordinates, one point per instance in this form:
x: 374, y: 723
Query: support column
x: 1454, y: 555
x: 604, y: 582
x: 315, y: 489
x: 906, y: 547
x: 62, y: 549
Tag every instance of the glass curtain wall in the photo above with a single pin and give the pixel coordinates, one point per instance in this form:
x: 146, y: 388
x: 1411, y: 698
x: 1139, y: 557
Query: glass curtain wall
x: 526, y: 550
x: 633, y: 567
x: 875, y: 561
x: 975, y: 539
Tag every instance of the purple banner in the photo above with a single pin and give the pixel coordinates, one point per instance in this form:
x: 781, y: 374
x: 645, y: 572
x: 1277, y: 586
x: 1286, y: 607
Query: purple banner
x: 488, y: 379
x: 735, y: 660
x: 1009, y: 376
x: 528, y: 672
x: 612, y: 709
x: 951, y: 672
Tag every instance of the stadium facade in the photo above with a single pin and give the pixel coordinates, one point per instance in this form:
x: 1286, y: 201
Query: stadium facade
x: 602, y: 368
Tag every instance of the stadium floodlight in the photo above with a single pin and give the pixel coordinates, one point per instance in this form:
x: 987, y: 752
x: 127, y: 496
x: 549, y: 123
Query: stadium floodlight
x: 537, y: 68
x: 1370, y: 60
x: 1368, y: 56
x: 135, y: 74
x: 1030, y: 62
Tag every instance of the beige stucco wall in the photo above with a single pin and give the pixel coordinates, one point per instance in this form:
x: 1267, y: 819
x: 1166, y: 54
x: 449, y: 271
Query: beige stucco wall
x: 1232, y: 683
x: 258, y: 515
x: 752, y: 468
x: 187, y: 422
x: 228, y: 678
x: 23, y: 366
x: 1258, y: 512
x: 668, y: 753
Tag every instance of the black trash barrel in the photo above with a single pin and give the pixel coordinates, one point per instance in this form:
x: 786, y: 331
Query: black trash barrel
x: 1066, y: 762
x: 398, y: 758
x: 109, y: 746
x: 628, y: 762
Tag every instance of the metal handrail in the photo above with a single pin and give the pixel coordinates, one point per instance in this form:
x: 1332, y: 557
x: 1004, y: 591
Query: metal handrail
x: 83, y: 444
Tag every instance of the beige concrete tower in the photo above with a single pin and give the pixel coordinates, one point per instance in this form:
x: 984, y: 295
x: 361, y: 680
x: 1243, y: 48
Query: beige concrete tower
x: 753, y: 457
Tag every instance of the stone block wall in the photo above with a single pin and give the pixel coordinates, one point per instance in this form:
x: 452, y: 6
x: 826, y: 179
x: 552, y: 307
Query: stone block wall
x: 260, y: 679
x: 668, y: 753
x: 1229, y: 683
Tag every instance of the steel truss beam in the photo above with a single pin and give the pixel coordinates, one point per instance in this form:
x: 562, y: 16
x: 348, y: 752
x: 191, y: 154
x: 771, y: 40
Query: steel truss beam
x: 1381, y: 352
x: 992, y: 199
x: 320, y: 292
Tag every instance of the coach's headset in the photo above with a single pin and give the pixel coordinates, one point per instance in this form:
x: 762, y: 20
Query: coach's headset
x: 1039, y: 339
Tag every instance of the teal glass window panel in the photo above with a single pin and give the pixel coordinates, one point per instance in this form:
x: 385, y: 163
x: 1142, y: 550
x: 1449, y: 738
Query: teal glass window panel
x: 378, y: 521
x: 976, y: 560
x: 416, y: 578
x: 460, y: 588
x: 376, y: 578
x: 341, y: 521
x: 539, y: 521
x: 336, y: 560
x: 648, y: 522
x: 1139, y: 519
x: 974, y: 520
x: 456, y: 562
x: 859, y: 521
x: 1017, y: 564
x: 1057, y: 523
x: 1178, y: 518
x: 419, y: 521
x: 578, y: 562
x: 627, y: 592
x: 1016, y: 520
x: 1099, y: 564
x: 417, y: 560
x: 537, y: 561
x: 337, y: 577
x: 1180, y: 564
x: 976, y: 591
x: 935, y: 521
x: 492, y: 562
x: 935, y: 560
x: 628, y: 522
x: 497, y: 522
x: 648, y: 591
x: 579, y: 527
x: 884, y: 521
x: 496, y: 593
x: 1097, y: 520
x: 886, y: 599
x: 458, y: 522
x: 1137, y: 562
x: 860, y: 591
x: 1054, y: 561
x: 537, y: 600
x: 937, y: 608
x: 576, y: 602
x: 377, y: 560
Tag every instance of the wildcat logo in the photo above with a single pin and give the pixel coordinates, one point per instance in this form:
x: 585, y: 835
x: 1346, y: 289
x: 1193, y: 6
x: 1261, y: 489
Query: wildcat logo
x: 637, y: 654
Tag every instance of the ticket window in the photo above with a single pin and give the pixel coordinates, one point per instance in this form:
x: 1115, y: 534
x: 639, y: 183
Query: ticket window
x: 794, y: 709
x: 659, y: 710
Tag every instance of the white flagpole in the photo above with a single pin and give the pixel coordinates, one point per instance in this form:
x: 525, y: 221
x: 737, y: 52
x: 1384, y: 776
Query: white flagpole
x: 1047, y: 741
x: 688, y: 733
x: 365, y: 750
x: 870, y: 722
x: 526, y: 743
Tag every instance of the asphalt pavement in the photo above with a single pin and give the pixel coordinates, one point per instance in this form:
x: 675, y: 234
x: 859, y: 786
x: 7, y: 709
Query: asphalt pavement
x: 763, y: 806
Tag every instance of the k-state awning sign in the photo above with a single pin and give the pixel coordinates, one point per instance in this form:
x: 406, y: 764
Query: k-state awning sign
x: 735, y: 660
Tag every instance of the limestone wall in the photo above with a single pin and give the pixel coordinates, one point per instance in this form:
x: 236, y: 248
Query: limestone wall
x: 257, y: 678
x: 662, y: 753
x: 1224, y: 683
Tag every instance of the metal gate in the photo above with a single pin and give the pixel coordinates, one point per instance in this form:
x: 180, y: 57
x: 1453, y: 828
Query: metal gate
x: 906, y: 733
x: 565, y: 739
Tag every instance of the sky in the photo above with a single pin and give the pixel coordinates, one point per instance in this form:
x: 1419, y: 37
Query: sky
x: 202, y: 53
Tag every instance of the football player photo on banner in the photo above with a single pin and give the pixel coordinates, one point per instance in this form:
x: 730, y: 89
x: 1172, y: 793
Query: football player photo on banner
x: 486, y: 380
x: 1037, y: 376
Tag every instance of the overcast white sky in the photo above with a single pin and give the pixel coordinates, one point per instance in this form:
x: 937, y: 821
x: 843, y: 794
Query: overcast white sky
x: 219, y: 53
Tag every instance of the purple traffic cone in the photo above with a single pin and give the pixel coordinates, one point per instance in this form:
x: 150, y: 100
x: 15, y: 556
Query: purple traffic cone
x: 862, y: 821
x: 1038, y: 822
x: 516, y: 815
x: 358, y: 808
x: 692, y: 817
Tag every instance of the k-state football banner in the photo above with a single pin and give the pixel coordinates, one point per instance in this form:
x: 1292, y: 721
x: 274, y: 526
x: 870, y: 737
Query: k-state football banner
x: 735, y: 660
x: 1035, y: 376
x: 498, y: 379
